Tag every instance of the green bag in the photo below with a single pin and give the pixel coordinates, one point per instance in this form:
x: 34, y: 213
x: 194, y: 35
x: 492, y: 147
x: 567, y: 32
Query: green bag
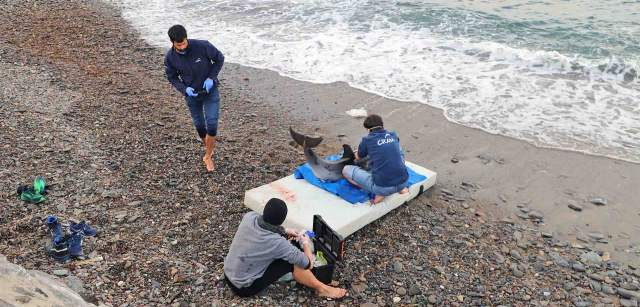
x: 39, y: 185
x: 34, y: 194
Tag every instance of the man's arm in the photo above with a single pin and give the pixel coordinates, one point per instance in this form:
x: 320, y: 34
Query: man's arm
x: 293, y: 255
x: 309, y: 254
x: 362, y: 150
x: 172, y: 75
x: 216, y: 57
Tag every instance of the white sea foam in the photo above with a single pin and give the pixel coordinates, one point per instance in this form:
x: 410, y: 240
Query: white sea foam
x: 544, y: 97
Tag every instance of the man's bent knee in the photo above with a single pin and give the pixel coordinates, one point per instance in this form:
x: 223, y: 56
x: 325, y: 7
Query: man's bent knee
x: 348, y: 171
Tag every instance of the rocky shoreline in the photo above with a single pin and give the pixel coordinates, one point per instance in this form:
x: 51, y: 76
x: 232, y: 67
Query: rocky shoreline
x: 84, y: 103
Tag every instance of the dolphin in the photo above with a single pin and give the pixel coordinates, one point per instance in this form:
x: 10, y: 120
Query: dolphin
x: 323, y: 169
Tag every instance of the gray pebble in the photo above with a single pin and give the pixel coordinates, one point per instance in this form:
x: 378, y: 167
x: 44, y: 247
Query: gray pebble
x: 578, y: 303
x: 536, y: 215
x: 628, y: 294
x: 515, y: 254
x: 575, y: 207
x: 401, y: 291
x: 628, y: 303
x: 60, y: 272
x: 398, y: 267
x: 579, y: 267
x: 414, y: 290
x: 608, y: 289
x: 74, y: 283
x: 432, y: 299
x: 591, y: 257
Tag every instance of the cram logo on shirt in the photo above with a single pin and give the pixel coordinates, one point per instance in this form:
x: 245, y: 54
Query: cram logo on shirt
x: 198, y: 60
x: 387, y: 139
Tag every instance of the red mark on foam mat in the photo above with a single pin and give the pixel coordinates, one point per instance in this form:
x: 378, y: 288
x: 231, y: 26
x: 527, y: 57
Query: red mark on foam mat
x: 286, y: 194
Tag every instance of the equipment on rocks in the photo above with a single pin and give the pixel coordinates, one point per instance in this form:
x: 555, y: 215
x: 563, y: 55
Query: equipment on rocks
x: 64, y: 246
x: 59, y: 251
x: 55, y: 228
x: 75, y: 245
x: 330, y: 249
x: 83, y: 229
x: 78, y: 232
x: 33, y: 194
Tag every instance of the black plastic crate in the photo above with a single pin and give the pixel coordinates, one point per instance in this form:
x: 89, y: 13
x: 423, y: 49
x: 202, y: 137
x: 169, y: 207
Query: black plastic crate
x: 332, y: 246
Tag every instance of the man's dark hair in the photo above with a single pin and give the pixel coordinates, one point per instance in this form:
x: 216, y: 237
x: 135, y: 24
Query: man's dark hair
x: 373, y: 121
x: 177, y: 33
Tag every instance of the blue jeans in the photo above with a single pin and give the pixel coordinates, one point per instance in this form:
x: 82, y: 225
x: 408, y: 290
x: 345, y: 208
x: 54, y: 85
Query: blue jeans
x: 204, y: 112
x: 365, y: 180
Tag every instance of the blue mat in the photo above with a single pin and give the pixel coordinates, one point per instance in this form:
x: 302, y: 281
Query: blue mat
x: 342, y: 187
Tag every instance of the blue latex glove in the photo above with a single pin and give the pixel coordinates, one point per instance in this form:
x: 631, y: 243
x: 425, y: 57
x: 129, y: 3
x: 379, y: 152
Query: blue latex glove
x: 191, y: 92
x: 208, y: 84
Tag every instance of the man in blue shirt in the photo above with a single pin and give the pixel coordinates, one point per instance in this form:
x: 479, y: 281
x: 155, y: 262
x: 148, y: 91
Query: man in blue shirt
x: 388, y: 172
x: 192, y: 67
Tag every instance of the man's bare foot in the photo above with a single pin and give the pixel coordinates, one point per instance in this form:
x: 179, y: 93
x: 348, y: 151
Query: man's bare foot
x: 377, y: 199
x: 209, y: 163
x: 332, y: 292
x: 404, y: 191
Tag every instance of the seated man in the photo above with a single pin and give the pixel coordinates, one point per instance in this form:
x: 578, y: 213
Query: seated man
x: 260, y: 254
x: 388, y: 172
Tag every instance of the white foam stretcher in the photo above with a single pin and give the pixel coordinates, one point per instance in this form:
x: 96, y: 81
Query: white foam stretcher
x: 305, y: 200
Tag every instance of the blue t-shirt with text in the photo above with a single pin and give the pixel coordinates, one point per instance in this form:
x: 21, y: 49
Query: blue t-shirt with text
x: 385, y: 157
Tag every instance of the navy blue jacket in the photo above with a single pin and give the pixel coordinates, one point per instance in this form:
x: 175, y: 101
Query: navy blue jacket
x: 201, y: 61
x: 385, y: 157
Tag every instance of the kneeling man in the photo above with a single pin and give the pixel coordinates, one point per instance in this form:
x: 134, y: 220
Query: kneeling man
x: 260, y: 254
x: 388, y: 172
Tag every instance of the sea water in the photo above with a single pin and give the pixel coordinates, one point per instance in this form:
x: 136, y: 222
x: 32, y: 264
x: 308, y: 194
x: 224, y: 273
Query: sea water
x: 555, y: 73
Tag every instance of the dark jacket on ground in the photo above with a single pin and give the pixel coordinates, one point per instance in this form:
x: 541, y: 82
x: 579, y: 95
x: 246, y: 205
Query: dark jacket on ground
x: 385, y: 157
x: 201, y: 61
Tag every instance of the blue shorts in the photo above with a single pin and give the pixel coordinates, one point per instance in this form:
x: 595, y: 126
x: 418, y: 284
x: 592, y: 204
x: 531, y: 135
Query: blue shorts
x: 204, y: 112
x: 365, y: 180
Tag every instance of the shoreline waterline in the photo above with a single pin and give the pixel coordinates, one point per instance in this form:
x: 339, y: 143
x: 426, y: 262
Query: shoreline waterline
x: 545, y: 97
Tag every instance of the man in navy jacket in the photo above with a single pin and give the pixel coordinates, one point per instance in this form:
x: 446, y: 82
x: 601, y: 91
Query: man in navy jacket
x: 192, y: 67
x: 388, y: 171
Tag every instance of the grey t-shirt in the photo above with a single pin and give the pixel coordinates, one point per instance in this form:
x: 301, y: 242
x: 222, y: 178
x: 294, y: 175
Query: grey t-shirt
x: 254, y: 248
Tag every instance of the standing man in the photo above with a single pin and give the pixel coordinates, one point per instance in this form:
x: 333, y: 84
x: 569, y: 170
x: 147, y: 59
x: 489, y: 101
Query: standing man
x: 192, y: 67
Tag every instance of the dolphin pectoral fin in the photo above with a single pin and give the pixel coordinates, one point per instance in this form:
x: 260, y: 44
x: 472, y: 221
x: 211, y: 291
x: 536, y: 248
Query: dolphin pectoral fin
x: 303, y: 140
x: 347, y: 153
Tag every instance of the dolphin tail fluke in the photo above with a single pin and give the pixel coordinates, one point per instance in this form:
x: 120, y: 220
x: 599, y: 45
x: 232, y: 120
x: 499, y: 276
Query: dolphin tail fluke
x: 303, y: 140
